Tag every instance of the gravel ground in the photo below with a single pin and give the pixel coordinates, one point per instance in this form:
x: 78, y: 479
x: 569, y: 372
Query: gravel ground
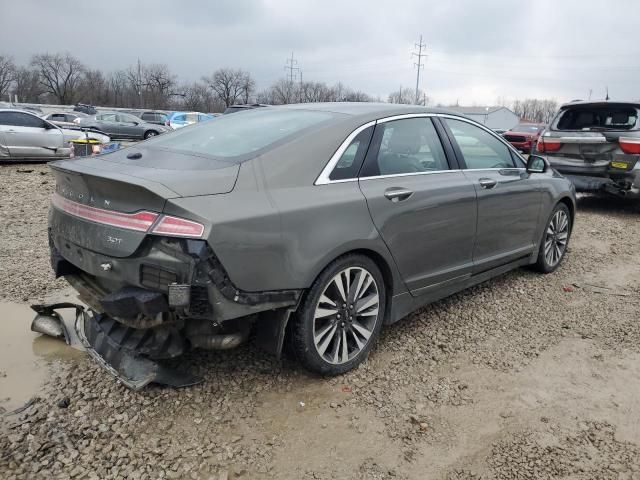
x: 525, y: 376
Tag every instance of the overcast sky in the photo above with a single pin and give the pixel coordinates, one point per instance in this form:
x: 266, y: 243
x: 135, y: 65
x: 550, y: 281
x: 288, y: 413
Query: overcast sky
x: 477, y: 50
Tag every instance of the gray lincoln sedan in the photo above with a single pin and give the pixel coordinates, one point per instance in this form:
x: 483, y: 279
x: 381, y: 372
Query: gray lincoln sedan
x: 309, y: 224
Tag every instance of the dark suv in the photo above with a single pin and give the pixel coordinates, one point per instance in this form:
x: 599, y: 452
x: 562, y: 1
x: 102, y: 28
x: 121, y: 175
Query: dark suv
x: 596, y: 145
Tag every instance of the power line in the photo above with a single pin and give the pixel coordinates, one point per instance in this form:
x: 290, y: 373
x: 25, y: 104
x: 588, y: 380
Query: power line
x: 290, y: 65
x: 420, y: 65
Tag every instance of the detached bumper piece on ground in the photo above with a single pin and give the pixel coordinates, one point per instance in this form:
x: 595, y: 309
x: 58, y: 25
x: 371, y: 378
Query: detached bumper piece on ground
x: 111, y: 345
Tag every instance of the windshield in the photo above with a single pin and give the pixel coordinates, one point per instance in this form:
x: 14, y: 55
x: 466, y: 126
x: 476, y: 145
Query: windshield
x: 240, y: 135
x: 597, y: 118
x: 526, y: 128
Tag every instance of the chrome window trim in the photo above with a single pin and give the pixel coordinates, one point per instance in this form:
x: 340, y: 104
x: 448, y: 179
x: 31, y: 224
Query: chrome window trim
x: 323, y: 178
x: 410, y: 174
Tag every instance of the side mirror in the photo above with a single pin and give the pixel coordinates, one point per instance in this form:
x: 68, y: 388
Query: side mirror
x: 49, y: 126
x: 537, y: 164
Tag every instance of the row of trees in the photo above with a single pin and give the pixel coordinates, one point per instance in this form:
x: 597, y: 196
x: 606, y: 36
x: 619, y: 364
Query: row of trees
x: 536, y: 110
x: 63, y: 79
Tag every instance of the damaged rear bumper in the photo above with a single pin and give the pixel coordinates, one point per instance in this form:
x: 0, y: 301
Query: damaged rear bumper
x: 184, y: 277
x: 92, y: 334
x: 599, y: 176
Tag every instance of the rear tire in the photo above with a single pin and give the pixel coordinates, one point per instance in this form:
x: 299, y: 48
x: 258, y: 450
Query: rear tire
x: 555, y: 239
x: 340, y: 317
x: 150, y: 134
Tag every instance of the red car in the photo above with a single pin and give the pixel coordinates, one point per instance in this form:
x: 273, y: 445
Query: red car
x: 524, y: 136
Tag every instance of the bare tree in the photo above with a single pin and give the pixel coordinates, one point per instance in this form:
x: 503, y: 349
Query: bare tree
x: 158, y: 82
x: 231, y: 85
x: 59, y: 74
x: 536, y: 110
x: 407, y: 96
x: 93, y: 88
x: 7, y: 74
x: 199, y: 97
x: 26, y: 85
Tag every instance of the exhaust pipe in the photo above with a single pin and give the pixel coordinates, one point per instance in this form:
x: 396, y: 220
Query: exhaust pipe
x: 220, y: 342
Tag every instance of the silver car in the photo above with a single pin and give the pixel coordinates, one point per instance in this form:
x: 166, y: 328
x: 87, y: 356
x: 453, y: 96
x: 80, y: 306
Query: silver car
x: 123, y: 125
x: 313, y: 224
x: 65, y: 119
x: 25, y: 136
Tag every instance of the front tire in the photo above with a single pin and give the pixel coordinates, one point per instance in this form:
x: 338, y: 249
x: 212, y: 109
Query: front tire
x: 150, y: 134
x: 555, y: 239
x: 341, y: 316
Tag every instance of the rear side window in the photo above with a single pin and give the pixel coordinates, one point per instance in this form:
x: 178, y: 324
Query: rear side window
x: 479, y: 148
x: 241, y: 135
x: 180, y: 118
x: 405, y: 146
x: 597, y: 118
x: 351, y: 160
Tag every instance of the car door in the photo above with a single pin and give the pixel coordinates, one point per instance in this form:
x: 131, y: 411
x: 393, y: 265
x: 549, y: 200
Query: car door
x: 27, y: 136
x: 108, y: 123
x: 509, y: 198
x: 130, y: 126
x: 423, y: 206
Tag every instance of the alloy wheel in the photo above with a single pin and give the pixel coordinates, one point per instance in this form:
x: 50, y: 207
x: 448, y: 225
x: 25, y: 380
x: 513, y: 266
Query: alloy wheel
x: 555, y: 242
x: 346, y: 314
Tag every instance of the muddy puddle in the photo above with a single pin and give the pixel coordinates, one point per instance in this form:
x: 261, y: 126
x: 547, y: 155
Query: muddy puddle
x: 25, y: 356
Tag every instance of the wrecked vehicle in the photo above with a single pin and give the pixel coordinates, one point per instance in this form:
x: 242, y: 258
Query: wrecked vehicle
x: 315, y: 224
x: 25, y: 136
x: 596, y: 145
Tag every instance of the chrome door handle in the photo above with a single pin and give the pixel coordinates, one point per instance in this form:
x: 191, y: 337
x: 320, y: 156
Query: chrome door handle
x: 397, y: 194
x: 488, y: 183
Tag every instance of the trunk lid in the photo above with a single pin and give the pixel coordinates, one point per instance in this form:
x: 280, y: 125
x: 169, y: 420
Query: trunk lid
x: 117, y: 183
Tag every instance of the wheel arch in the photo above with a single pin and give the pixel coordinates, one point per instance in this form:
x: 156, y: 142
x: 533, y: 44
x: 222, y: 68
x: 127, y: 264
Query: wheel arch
x: 572, y: 209
x: 391, y: 278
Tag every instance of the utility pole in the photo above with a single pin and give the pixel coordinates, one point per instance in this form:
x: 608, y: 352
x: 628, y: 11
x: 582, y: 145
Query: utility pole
x: 420, y: 46
x: 300, y: 88
x: 290, y: 65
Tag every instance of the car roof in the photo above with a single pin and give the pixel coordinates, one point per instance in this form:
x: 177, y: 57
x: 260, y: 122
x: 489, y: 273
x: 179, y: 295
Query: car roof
x: 601, y: 103
x: 18, y: 110
x: 366, y: 110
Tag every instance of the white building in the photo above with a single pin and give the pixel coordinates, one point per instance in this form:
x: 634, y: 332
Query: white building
x: 492, y: 117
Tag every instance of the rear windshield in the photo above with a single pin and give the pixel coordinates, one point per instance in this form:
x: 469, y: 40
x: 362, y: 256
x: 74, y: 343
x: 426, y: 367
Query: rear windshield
x: 597, y: 118
x: 237, y: 136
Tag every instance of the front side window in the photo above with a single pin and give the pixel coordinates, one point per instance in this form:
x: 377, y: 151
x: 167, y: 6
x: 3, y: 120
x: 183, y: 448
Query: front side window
x: 406, y: 146
x: 123, y: 118
x: 107, y: 117
x: 480, y: 149
x: 351, y: 159
x: 26, y: 120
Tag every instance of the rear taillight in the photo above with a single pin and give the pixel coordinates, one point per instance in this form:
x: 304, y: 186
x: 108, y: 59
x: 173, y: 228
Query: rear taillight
x: 548, y: 145
x: 142, y: 221
x: 630, y: 145
x: 178, y: 227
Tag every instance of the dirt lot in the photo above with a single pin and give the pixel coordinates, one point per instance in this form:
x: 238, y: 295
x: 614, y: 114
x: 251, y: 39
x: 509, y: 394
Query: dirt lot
x: 526, y: 376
